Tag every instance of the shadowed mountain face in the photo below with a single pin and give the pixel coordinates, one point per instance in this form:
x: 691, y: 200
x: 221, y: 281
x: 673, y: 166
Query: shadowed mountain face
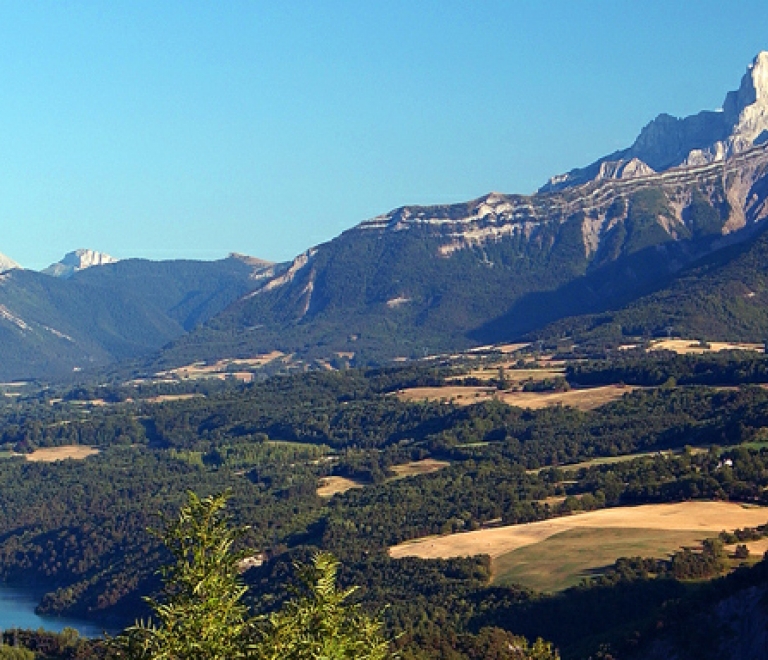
x: 723, y: 296
x: 50, y: 326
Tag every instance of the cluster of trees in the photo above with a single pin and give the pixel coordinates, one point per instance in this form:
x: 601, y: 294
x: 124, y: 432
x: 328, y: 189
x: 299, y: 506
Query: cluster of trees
x: 659, y: 367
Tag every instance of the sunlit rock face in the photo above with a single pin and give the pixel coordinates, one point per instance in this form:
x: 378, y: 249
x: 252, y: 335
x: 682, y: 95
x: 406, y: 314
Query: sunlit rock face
x: 707, y: 137
x: 78, y: 260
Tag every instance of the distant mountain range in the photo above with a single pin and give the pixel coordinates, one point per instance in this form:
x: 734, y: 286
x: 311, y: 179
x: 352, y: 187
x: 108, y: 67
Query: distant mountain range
x: 50, y: 326
x: 665, y: 236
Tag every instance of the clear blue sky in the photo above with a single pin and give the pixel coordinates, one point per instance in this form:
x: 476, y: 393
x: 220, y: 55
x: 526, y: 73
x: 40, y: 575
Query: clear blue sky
x: 191, y: 129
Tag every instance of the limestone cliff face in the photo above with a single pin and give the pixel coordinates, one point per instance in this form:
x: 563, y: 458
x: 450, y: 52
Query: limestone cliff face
x: 735, y: 187
x: 670, y: 142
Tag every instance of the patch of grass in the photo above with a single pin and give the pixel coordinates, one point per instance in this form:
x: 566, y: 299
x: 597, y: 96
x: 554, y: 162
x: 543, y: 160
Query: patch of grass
x: 51, y: 454
x: 563, y: 560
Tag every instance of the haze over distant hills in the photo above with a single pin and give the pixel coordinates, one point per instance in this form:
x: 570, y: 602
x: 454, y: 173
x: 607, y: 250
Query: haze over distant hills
x: 420, y: 280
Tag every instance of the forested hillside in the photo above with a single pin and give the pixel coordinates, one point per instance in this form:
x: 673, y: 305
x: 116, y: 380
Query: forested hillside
x: 51, y: 326
x: 723, y: 296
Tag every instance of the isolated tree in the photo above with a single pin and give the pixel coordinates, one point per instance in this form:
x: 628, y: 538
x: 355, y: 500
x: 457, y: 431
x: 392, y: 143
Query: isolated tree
x: 201, y: 613
x: 321, y: 624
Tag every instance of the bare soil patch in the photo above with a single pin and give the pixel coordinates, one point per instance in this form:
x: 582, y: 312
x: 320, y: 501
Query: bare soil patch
x: 51, y: 454
x: 689, y: 516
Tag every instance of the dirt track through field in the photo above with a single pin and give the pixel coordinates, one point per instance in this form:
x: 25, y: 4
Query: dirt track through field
x: 704, y: 516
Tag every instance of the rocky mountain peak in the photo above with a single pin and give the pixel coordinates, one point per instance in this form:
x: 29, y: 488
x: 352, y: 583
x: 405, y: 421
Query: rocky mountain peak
x: 6, y: 263
x: 706, y: 137
x: 753, y: 89
x: 78, y: 260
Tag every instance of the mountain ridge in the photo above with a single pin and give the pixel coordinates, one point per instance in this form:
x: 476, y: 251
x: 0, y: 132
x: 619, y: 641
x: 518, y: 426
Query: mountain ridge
x: 426, y: 279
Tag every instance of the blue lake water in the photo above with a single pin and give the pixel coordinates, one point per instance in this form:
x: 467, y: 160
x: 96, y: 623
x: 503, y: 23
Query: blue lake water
x: 17, y: 610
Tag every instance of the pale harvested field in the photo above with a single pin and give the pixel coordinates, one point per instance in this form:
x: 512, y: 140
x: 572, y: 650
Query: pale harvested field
x: 756, y: 548
x: 610, y: 460
x: 693, y: 516
x: 685, y: 346
x: 51, y: 454
x: 425, y: 466
x: 584, y: 399
x: 514, y: 375
x: 221, y: 367
x: 162, y: 398
x: 504, y: 348
x: 330, y: 486
x: 456, y: 393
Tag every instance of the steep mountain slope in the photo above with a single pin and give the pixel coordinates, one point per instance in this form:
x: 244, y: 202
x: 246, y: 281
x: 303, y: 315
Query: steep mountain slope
x: 440, y: 278
x: 724, y: 296
x: 51, y: 326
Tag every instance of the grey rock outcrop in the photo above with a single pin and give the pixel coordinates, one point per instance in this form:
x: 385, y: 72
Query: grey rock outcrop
x: 669, y: 142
